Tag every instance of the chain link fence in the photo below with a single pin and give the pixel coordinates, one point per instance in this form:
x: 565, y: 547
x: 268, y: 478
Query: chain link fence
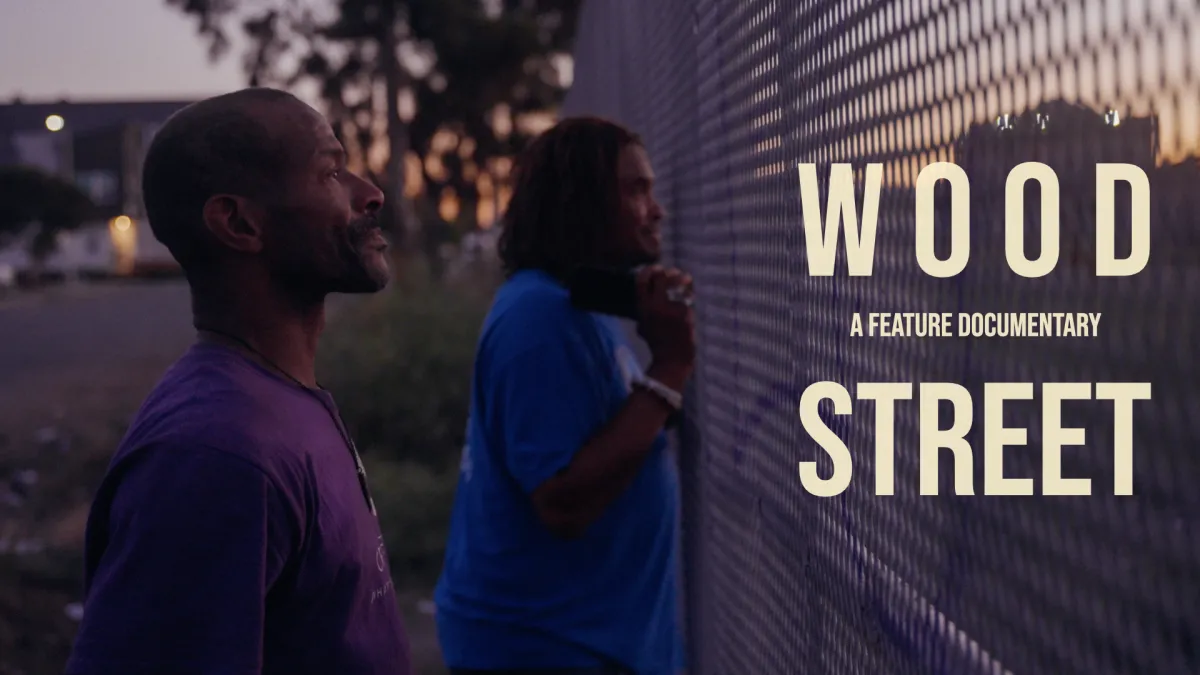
x: 731, y: 95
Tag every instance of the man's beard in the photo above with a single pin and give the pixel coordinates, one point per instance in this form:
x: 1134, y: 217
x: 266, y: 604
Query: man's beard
x: 365, y: 266
x: 345, y: 261
x: 640, y: 257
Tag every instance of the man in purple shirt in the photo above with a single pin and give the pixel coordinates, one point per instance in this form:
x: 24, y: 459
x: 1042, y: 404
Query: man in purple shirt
x: 234, y: 532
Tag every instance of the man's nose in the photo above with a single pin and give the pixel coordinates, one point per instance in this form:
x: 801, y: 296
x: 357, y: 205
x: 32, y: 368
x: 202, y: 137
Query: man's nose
x: 370, y: 197
x: 657, y: 212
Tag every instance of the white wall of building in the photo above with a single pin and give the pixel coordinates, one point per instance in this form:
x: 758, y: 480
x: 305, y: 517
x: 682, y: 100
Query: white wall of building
x: 88, y: 249
x: 44, y: 150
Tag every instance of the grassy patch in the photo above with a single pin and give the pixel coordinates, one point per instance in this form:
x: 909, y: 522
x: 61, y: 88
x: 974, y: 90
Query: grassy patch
x: 58, y: 435
x: 399, y: 366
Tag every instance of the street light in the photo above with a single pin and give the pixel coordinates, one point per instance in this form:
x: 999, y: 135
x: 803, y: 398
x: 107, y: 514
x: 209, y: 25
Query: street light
x: 55, y: 122
x: 124, y: 242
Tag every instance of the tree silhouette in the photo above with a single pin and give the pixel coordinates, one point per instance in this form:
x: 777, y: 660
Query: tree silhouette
x: 30, y: 197
x: 470, y: 68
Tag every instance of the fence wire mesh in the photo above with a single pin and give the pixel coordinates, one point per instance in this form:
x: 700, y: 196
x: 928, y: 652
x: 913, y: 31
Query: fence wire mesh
x: 730, y: 96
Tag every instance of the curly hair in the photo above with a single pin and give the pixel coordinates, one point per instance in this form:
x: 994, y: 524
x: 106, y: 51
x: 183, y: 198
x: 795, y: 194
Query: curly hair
x: 565, y: 197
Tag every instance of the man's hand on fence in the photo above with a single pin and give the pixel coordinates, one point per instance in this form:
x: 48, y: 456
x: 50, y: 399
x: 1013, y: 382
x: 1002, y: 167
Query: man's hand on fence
x: 667, y: 323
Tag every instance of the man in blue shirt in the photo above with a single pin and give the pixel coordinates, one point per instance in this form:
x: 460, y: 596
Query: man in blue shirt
x: 562, y: 548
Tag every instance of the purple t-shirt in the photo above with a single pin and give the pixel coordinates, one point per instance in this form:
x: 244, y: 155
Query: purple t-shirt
x: 231, y: 535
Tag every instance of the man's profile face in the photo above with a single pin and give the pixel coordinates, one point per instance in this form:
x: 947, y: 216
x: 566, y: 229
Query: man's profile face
x: 322, y: 234
x: 637, y: 232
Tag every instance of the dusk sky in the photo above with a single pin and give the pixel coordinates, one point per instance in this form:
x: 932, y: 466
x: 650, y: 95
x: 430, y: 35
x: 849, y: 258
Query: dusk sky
x: 129, y: 49
x: 106, y: 49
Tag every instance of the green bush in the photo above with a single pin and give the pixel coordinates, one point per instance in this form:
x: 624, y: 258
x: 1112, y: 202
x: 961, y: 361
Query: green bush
x: 399, y: 366
x: 414, y: 503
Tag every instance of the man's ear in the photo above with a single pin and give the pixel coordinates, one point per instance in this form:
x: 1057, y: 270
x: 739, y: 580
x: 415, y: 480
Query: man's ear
x: 235, y: 222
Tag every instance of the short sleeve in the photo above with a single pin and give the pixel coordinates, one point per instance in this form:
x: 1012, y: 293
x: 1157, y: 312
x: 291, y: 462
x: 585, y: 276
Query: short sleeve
x: 184, y: 545
x: 549, y: 401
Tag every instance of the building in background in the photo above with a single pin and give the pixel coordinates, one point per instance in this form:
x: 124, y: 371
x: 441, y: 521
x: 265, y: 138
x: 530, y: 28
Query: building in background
x: 99, y: 146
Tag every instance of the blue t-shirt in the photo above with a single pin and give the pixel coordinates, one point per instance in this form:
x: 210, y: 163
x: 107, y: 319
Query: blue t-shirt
x: 231, y: 535
x: 512, y: 595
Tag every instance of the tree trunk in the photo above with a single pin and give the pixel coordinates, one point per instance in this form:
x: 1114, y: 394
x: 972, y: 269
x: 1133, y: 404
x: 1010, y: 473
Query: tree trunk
x: 403, y: 227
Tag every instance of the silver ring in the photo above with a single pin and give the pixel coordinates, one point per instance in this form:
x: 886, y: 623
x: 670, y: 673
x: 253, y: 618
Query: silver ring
x: 680, y: 295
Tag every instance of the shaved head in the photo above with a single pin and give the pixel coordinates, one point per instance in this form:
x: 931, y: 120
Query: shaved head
x: 257, y: 178
x: 225, y: 144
